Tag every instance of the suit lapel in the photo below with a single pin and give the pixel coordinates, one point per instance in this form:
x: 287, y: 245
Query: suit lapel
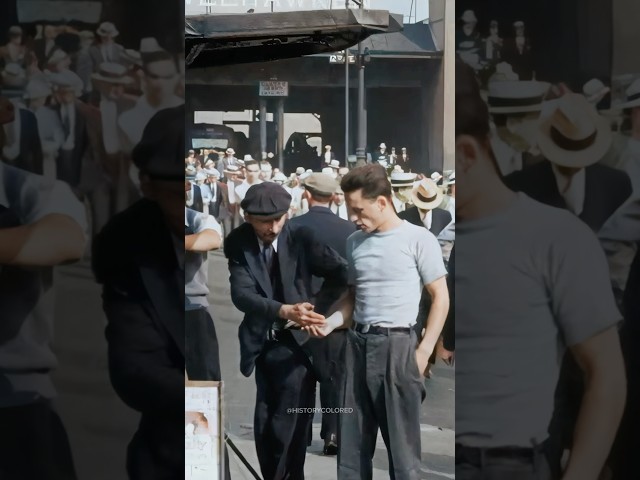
x: 252, y: 254
x: 161, y: 286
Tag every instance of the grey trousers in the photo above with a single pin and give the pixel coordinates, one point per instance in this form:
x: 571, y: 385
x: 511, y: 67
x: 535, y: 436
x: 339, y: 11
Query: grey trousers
x: 383, y: 390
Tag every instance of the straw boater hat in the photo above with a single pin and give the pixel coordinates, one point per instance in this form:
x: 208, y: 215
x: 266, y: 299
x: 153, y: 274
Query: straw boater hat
x: 57, y: 56
x: 248, y: 158
x: 402, y: 179
x: 232, y: 170
x: 516, y: 96
x: 112, y: 73
x: 190, y: 172
x: 212, y: 172
x: 632, y: 96
x: 595, y: 90
x: 13, y: 75
x: 427, y: 195
x: 230, y: 151
x: 66, y: 81
x: 107, y: 29
x: 504, y: 72
x: 279, y: 177
x: 299, y: 170
x: 571, y: 133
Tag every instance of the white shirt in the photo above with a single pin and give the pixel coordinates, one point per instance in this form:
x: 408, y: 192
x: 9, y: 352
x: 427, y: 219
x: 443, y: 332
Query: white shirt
x: 341, y: 211
x: 69, y: 112
x: 327, y: 157
x: 427, y: 218
x: 571, y: 188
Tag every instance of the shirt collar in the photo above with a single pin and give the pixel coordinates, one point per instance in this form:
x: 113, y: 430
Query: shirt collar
x: 575, y: 194
x: 274, y: 243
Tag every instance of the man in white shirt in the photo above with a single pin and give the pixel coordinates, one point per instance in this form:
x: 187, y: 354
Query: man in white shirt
x: 339, y: 205
x: 252, y: 173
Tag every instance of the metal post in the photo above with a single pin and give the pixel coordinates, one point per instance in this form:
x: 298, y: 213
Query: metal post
x: 346, y: 101
x: 361, y: 153
x: 280, y: 115
x: 263, y: 124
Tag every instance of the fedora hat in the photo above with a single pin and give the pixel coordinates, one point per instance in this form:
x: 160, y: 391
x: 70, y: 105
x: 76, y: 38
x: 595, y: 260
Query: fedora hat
x: 427, y: 195
x: 107, y: 29
x: 248, y: 158
x: 516, y: 96
x: 37, y: 88
x: 230, y: 151
x: 571, y: 133
x: 57, y: 56
x: 212, y: 172
x: 299, y: 170
x: 383, y: 145
x: 469, y: 16
x: 112, y: 73
x: 335, y: 164
x: 402, y: 179
x: 131, y: 57
x: 595, y: 90
x: 66, y: 80
x: 632, y: 94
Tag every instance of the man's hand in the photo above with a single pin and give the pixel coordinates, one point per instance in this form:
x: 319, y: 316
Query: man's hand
x: 302, y: 314
x: 447, y: 356
x: 422, y: 358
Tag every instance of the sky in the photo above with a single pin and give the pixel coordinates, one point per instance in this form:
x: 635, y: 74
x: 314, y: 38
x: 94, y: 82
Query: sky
x: 241, y: 6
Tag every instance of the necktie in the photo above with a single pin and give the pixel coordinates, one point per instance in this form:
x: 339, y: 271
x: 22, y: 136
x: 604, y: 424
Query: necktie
x: 66, y: 124
x: 267, y: 257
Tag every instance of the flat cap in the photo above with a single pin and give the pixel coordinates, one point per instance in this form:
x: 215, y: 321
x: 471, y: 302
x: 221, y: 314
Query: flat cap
x: 266, y: 200
x: 321, y: 183
x: 160, y: 152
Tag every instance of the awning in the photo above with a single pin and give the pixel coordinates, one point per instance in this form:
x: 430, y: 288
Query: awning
x: 256, y: 37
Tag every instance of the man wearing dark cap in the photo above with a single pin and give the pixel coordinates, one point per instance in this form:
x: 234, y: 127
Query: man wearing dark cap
x: 272, y: 264
x: 333, y: 231
x: 144, y: 300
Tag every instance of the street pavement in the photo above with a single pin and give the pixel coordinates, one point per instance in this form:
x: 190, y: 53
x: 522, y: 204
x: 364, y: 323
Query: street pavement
x: 100, y: 426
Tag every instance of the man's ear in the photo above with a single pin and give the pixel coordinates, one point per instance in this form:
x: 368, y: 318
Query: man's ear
x: 468, y: 151
x: 382, y: 202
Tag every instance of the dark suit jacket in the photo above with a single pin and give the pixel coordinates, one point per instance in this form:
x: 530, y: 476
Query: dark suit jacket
x: 143, y: 298
x: 439, y: 220
x: 30, y: 157
x: 300, y: 257
x: 198, y: 204
x: 606, y: 190
x: 221, y: 201
x: 328, y: 228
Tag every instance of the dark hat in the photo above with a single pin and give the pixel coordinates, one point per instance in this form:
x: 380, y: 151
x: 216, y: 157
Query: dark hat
x: 160, y: 152
x: 266, y: 200
x: 321, y: 183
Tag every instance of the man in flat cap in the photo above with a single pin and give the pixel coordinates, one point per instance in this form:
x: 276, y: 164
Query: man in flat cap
x: 333, y: 231
x: 144, y: 301
x: 272, y: 264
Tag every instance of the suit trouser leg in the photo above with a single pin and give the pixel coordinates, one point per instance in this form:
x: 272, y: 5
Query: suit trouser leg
x: 398, y: 389
x: 358, y: 427
x: 331, y: 389
x: 34, y: 444
x: 284, y: 382
x: 202, y: 356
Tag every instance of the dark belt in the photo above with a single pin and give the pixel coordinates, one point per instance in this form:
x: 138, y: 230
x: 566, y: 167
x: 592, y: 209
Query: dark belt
x: 477, y: 455
x: 373, y: 330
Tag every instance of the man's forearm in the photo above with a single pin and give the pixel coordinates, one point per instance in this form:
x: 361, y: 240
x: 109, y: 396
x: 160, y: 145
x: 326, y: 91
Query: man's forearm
x: 342, y: 311
x: 53, y: 240
x: 435, y: 322
x: 202, y: 242
x: 600, y: 414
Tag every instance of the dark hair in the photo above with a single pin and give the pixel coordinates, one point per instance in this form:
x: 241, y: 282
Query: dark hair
x: 472, y: 114
x: 250, y: 162
x: 371, y: 179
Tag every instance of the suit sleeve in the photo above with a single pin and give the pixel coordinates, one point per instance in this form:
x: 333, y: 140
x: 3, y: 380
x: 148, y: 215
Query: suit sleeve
x: 327, y: 264
x: 245, y: 293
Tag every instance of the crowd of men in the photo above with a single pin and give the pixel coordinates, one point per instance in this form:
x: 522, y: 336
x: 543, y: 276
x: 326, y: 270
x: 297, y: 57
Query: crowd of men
x: 78, y: 176
x: 524, y: 146
x: 82, y: 101
x: 290, y: 245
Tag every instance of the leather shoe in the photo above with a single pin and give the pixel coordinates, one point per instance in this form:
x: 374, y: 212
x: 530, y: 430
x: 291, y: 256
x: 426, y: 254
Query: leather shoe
x: 330, y: 446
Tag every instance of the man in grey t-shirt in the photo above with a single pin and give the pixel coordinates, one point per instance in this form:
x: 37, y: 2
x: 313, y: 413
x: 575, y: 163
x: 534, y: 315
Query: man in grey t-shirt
x: 531, y: 281
x: 390, y: 262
